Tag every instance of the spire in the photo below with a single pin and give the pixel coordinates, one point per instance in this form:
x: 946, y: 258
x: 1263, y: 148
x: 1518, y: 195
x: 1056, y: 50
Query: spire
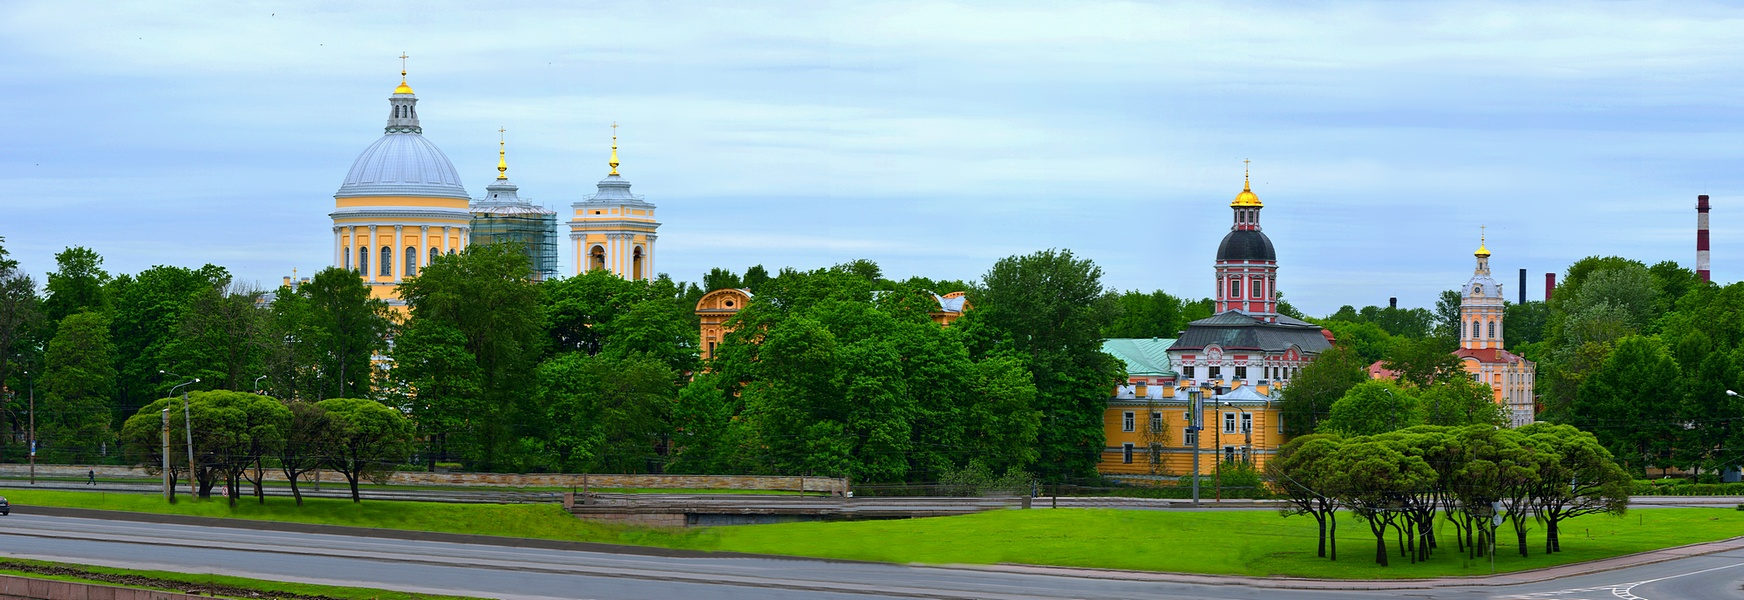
x: 1483, y: 246
x: 1246, y: 197
x: 403, y: 89
x: 502, y: 154
x: 403, y: 106
x: 614, y: 161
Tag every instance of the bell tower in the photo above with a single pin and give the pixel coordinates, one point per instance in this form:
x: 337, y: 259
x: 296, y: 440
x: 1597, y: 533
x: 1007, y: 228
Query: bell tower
x: 1247, y: 265
x: 1481, y: 305
x: 613, y: 229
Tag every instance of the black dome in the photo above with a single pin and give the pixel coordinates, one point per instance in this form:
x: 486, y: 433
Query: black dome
x: 1246, y: 244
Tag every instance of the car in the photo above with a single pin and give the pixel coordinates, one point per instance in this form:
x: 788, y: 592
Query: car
x: 5, y: 507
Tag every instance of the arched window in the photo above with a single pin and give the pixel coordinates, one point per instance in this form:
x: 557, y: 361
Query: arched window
x: 596, y: 258
x: 363, y: 261
x: 636, y: 264
x: 348, y: 258
x: 1492, y: 328
x: 1475, y: 330
x: 387, y: 260
x: 411, y: 261
x: 434, y: 252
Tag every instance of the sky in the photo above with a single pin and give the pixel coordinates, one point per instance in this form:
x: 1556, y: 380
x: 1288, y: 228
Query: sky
x: 931, y: 137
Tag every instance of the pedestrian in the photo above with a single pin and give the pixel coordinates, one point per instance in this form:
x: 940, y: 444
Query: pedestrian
x: 91, y: 476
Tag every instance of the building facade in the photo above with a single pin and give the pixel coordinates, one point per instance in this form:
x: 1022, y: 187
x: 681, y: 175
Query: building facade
x: 401, y: 204
x: 1231, y: 365
x: 614, y: 229
x: 1510, y: 377
x: 501, y: 216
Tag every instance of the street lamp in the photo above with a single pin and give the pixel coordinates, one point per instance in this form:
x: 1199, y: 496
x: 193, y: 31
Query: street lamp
x: 32, y: 381
x: 188, y: 419
x: 257, y: 382
x: 1732, y: 393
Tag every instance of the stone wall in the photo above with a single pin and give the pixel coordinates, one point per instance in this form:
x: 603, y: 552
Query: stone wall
x: 830, y: 485
x: 13, y: 587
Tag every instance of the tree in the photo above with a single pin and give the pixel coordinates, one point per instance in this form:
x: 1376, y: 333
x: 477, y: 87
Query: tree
x: 77, y: 387
x: 1377, y: 478
x: 606, y: 413
x: 340, y: 328
x: 1057, y: 335
x: 1141, y: 315
x: 1526, y: 323
x: 1616, y: 402
x: 308, y: 433
x: 1582, y: 480
x: 1421, y: 362
x: 1372, y: 407
x: 444, y: 388
x: 22, y: 330
x: 1367, y: 340
x: 142, y: 442
x: 76, y: 284
x: 1447, y: 319
x: 369, y: 439
x: 233, y: 434
x: 1309, y: 397
x: 754, y: 278
x: 485, y: 293
x: 1457, y: 401
x: 719, y: 279
x: 223, y: 338
x: 148, y: 308
x: 1301, y: 472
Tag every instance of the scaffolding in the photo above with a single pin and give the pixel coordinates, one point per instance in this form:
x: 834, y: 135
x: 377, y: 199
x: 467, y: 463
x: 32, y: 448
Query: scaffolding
x: 532, y: 227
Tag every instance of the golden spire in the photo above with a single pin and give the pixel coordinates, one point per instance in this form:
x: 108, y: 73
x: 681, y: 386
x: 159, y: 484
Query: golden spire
x: 614, y: 162
x: 502, y: 155
x: 1483, y: 246
x: 1246, y: 197
x: 403, y: 89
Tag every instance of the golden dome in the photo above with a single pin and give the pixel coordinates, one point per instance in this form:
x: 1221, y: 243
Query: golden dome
x: 1246, y: 197
x: 403, y: 89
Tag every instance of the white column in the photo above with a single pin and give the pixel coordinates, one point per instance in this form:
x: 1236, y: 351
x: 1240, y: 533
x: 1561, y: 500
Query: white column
x: 424, y: 245
x: 445, y: 246
x: 336, y: 260
x: 369, y: 246
x: 399, y: 247
x: 648, y: 259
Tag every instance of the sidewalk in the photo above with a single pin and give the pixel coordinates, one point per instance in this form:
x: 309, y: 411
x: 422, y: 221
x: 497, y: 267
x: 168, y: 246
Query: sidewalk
x: 1500, y: 579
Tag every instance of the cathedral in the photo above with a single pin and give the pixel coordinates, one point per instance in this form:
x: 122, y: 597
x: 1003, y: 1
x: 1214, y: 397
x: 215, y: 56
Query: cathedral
x: 402, y: 204
x: 1510, y: 377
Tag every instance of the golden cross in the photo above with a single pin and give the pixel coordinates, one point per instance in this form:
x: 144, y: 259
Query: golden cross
x: 500, y: 132
x: 1482, y: 235
x: 614, y: 130
x: 403, y: 63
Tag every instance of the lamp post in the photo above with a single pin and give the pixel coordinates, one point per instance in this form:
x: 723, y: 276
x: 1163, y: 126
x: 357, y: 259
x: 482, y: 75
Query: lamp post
x: 257, y: 382
x: 188, y: 418
x: 169, y: 491
x: 32, y: 381
x: 1196, y: 403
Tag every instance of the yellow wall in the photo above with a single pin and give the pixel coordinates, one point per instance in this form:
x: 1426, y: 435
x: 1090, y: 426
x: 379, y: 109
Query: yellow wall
x: 1176, y: 456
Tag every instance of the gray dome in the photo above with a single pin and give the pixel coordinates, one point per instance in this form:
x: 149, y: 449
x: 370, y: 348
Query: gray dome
x: 1246, y: 244
x: 402, y: 164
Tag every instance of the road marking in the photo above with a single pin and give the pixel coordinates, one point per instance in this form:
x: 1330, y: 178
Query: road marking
x: 1625, y: 591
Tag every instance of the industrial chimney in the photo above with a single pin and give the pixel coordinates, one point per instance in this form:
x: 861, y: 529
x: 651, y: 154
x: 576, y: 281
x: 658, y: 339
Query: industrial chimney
x: 1393, y: 302
x: 1522, y: 286
x: 1549, y: 285
x: 1702, y: 237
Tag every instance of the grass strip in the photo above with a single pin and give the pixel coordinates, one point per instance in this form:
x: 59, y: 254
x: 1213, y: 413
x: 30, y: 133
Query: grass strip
x: 1233, y: 542
x: 223, y: 586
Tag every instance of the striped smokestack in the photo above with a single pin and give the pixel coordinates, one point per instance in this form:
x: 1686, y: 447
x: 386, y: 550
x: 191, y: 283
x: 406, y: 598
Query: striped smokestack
x: 1549, y: 285
x: 1702, y: 237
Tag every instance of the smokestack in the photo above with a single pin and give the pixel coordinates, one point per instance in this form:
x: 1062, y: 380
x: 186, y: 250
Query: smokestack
x: 1549, y: 285
x: 1393, y: 302
x: 1702, y: 237
x: 1522, y: 286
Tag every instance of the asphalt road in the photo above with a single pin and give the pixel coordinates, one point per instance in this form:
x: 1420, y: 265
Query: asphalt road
x: 508, y: 572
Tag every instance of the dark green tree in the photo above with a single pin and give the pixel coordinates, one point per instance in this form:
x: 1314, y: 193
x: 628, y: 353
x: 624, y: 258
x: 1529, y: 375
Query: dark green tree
x: 606, y: 413
x: 23, y: 333
x: 1141, y: 315
x: 148, y: 310
x: 1423, y: 361
x: 1309, y: 398
x: 76, y: 284
x: 73, y: 419
x: 1620, y: 403
x: 338, y: 328
x: 1582, y: 480
x: 1373, y: 407
x: 369, y: 439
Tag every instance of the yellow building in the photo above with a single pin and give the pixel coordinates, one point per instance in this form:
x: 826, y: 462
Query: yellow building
x: 1510, y: 377
x: 614, y: 229
x: 401, y: 204
x: 1148, y: 422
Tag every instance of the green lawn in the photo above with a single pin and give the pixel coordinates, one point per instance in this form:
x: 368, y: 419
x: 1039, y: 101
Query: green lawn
x: 216, y: 585
x: 1247, y: 542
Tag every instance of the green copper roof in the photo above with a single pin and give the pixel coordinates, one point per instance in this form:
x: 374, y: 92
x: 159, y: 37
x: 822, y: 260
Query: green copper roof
x: 1148, y: 357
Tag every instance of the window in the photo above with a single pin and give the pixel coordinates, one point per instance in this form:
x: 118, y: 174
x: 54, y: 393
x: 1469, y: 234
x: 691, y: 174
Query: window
x: 348, y: 259
x: 1229, y: 422
x: 387, y: 261
x: 1156, y: 422
x: 1190, y: 437
x: 363, y: 261
x: 1229, y: 454
x: 1156, y: 454
x: 597, y: 258
x: 636, y: 264
x: 434, y: 252
x: 1492, y: 328
x: 1259, y: 290
x: 1241, y: 373
x: 1126, y: 453
x: 1126, y: 421
x: 411, y: 261
x: 1216, y: 372
x: 1474, y: 329
x: 1187, y: 371
x: 1234, y: 287
x: 1247, y: 422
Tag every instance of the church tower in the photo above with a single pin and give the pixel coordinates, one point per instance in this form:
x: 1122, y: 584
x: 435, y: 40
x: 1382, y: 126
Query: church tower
x: 1481, y: 306
x: 614, y: 229
x: 401, y: 204
x: 1247, y: 265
